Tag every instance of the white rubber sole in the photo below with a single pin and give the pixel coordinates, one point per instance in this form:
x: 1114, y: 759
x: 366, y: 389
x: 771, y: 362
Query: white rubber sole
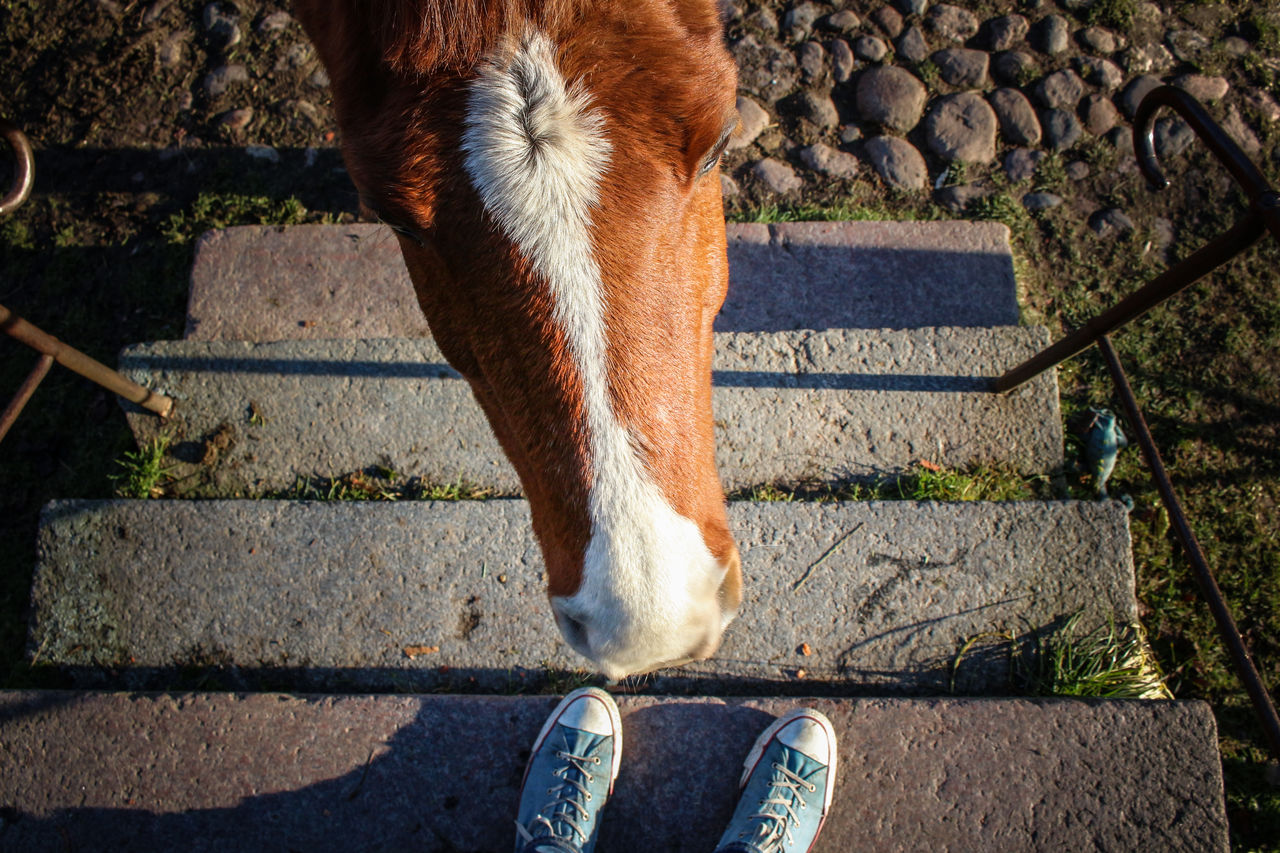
x: 614, y: 718
x: 758, y: 748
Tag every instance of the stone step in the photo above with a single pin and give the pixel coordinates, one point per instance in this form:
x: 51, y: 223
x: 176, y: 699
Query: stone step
x: 789, y: 406
x: 329, y: 595
x: 310, y: 282
x: 218, y: 771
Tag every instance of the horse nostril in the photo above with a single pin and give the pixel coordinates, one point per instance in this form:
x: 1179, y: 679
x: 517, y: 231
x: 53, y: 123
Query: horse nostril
x: 574, y: 631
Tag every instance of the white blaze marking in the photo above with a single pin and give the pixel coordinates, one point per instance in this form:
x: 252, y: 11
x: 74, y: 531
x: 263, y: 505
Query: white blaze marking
x: 536, y: 152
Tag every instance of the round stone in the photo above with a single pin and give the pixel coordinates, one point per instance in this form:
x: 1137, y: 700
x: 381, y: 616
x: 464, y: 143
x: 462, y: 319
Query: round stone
x: 843, y: 21
x: 1041, y: 201
x: 1060, y: 90
x: 728, y: 186
x: 951, y: 23
x: 764, y: 20
x: 1186, y: 45
x: 1099, y: 114
x: 222, y: 24
x: 275, y: 23
x: 237, y: 119
x: 1077, y: 170
x: 842, y: 61
x: 223, y: 78
x: 766, y: 71
x: 829, y: 161
x: 1020, y: 163
x: 962, y: 127
x: 1051, y: 35
x: 1172, y: 136
x: 1061, y: 129
x: 1004, y: 32
x: 1111, y: 222
x: 1097, y: 40
x: 1235, y: 46
x: 776, y: 175
x: 1262, y: 103
x: 812, y: 61
x: 890, y: 96
x: 1121, y: 138
x: 1018, y: 122
x: 869, y: 48
x: 799, y: 19
x: 819, y: 109
x: 957, y: 198
x: 1103, y: 73
x: 1015, y: 68
x: 912, y: 7
x: 912, y: 45
x: 897, y: 162
x: 1147, y: 59
x: 1137, y: 89
x: 1202, y: 87
x: 961, y: 67
x: 850, y: 133
x: 170, y: 51
x: 752, y: 120
x: 889, y: 20
x: 1238, y: 129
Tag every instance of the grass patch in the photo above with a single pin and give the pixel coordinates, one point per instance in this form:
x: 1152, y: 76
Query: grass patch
x: 1000, y: 207
x: 924, y: 482
x: 1116, y: 14
x: 771, y: 213
x: 144, y: 470
x: 220, y: 210
x: 378, y: 484
x: 1113, y: 662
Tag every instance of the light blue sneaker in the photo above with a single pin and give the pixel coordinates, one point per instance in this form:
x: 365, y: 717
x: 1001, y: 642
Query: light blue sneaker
x: 787, y: 781
x: 570, y: 775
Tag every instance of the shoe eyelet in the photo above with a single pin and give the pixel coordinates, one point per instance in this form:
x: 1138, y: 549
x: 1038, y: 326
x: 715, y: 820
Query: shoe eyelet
x: 597, y: 759
x: 588, y: 794
x: 812, y: 788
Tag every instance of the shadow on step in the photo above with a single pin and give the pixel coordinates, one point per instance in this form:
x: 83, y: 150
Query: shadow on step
x: 438, y: 370
x: 986, y: 667
x: 210, y: 772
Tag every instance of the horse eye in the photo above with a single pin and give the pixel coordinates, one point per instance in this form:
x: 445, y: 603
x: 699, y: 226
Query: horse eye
x: 718, y: 151
x: 714, y: 157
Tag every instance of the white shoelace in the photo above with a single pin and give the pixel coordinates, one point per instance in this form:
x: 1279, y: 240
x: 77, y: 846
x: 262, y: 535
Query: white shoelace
x: 780, y: 822
x: 568, y: 794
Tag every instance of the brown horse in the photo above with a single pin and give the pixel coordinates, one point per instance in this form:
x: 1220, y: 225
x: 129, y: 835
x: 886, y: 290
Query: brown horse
x: 550, y: 169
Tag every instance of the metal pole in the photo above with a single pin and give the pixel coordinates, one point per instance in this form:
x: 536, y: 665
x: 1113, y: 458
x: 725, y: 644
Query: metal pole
x: 72, y: 359
x: 1248, y: 673
x: 1172, y: 281
x: 24, y: 393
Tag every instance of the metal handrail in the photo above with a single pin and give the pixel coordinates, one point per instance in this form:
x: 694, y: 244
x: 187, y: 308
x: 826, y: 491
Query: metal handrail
x: 1263, y: 216
x: 24, y: 169
x: 50, y: 348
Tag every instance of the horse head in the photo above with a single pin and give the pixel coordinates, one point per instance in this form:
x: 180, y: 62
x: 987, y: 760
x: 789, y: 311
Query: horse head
x: 550, y: 170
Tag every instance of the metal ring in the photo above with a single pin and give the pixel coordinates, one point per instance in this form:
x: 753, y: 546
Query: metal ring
x: 24, y: 170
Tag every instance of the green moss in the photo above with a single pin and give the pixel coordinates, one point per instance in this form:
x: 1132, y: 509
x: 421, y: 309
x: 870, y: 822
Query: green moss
x: 1116, y: 14
x: 220, y: 210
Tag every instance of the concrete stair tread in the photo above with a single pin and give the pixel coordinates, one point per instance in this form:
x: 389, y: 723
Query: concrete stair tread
x: 789, y: 406
x: 266, y: 283
x: 218, y: 771
x: 329, y: 595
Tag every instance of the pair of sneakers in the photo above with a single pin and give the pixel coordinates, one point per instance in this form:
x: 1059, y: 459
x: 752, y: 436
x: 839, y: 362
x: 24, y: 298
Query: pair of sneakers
x: 786, y: 783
